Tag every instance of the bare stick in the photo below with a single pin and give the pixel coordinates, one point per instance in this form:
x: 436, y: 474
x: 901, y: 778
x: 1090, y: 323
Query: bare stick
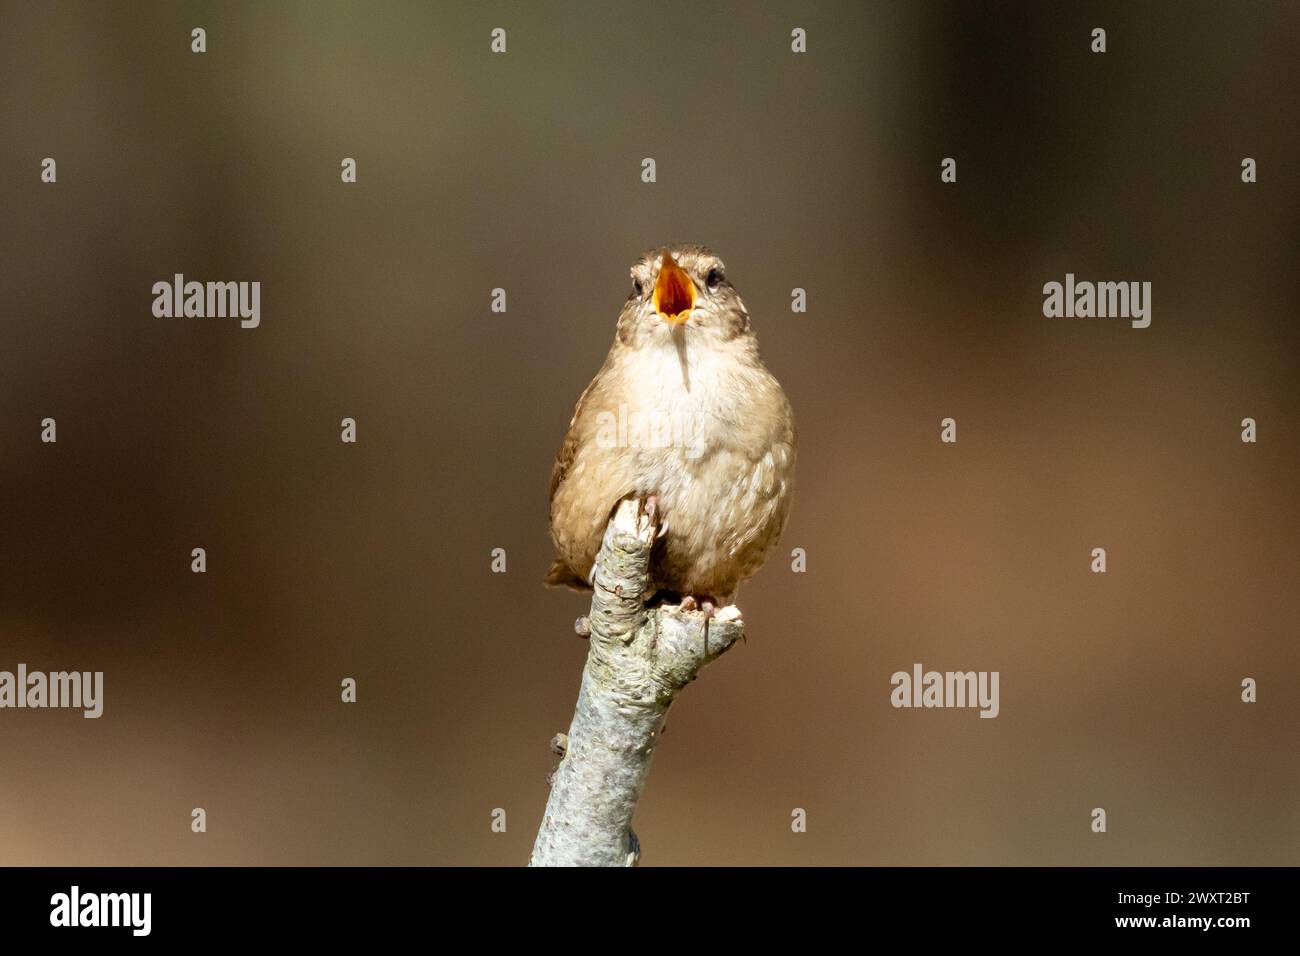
x: 638, y: 661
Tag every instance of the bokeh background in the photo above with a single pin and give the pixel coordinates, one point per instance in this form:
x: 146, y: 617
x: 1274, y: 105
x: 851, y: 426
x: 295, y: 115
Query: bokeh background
x: 522, y: 171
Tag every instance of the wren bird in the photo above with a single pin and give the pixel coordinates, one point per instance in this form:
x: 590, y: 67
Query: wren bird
x: 685, y: 415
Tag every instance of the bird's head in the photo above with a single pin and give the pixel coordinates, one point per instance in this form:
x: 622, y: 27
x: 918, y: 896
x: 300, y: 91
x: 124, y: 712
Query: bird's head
x: 679, y: 293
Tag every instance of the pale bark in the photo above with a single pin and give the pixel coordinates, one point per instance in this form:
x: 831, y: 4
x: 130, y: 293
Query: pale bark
x: 639, y: 659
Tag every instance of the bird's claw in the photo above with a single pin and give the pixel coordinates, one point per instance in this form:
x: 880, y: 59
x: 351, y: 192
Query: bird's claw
x: 650, y: 508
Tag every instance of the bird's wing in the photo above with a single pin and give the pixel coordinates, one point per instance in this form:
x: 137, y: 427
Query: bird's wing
x: 560, y: 574
x: 569, y: 448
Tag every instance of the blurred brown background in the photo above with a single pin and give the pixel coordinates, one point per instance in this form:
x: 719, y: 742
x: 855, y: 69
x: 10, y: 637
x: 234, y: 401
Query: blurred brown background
x: 522, y: 171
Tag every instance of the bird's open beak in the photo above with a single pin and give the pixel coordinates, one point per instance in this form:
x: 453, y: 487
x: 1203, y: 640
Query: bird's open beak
x: 674, y: 291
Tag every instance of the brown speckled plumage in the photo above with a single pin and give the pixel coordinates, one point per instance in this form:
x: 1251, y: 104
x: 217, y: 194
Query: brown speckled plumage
x: 685, y: 410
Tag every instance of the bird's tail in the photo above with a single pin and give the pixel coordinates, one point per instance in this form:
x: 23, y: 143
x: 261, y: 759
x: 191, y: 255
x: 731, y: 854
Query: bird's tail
x: 560, y: 576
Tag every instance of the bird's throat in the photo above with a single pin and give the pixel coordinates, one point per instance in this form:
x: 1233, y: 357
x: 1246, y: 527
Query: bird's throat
x: 679, y: 343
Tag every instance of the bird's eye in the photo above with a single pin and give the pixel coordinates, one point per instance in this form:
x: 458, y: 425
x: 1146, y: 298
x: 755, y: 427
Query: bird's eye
x: 714, y: 278
x: 637, y: 287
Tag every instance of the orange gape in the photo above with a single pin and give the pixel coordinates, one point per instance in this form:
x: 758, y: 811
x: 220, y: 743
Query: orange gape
x: 674, y: 292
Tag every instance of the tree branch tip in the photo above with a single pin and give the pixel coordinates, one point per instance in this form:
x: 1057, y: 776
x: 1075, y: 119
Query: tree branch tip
x: 639, y: 658
x: 728, y: 615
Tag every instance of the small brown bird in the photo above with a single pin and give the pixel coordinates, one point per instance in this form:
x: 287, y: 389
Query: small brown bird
x: 683, y: 412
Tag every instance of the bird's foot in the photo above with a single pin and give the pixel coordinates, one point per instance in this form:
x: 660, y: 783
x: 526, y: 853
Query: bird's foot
x: 700, y: 602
